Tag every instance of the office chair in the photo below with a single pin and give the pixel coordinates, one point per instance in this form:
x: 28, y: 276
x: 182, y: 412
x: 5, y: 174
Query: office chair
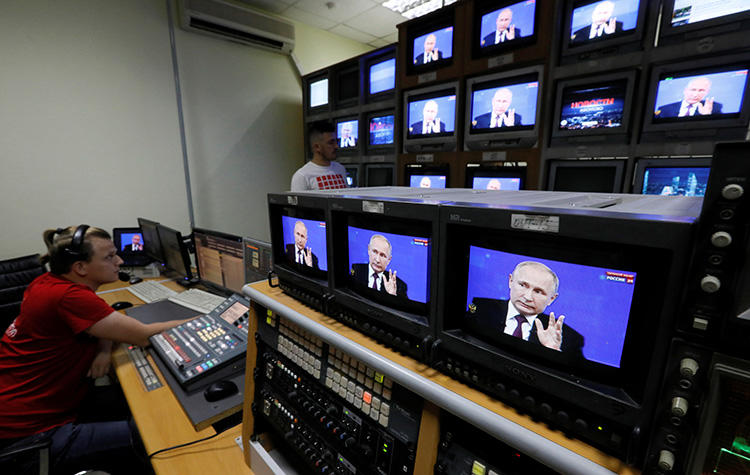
x: 15, y: 275
x: 30, y: 459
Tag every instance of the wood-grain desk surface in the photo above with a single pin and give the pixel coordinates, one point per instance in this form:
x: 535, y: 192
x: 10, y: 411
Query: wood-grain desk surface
x: 577, y: 446
x: 161, y: 420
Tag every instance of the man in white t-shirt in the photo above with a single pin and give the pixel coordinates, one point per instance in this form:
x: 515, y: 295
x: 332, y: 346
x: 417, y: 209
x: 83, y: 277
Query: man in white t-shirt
x: 321, y: 173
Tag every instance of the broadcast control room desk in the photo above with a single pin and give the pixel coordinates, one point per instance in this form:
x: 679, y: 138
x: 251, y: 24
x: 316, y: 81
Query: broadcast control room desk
x: 162, y: 422
x: 444, y: 393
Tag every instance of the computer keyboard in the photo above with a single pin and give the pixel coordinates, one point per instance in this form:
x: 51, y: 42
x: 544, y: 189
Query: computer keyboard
x: 150, y: 291
x: 198, y: 300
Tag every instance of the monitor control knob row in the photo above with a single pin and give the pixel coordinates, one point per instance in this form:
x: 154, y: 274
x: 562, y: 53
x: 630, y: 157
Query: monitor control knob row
x: 721, y: 239
x: 732, y: 191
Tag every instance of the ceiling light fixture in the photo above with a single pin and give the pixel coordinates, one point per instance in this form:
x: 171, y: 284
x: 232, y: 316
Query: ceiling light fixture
x: 415, y: 8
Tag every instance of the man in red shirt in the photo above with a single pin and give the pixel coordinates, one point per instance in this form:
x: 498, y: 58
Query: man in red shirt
x: 60, y: 342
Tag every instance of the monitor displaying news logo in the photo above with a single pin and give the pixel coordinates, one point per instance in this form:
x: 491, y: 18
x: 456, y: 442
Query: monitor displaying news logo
x: 619, y: 277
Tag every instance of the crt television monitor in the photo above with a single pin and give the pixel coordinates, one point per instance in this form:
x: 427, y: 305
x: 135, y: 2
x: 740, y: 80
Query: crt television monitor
x: 596, y: 176
x: 317, y: 93
x: 503, y: 26
x: 672, y: 176
x: 430, y: 47
x: 130, y: 247
x: 380, y: 128
x: 495, y: 178
x: 379, y: 174
x: 347, y: 135
x: 687, y: 19
x: 352, y: 175
x: 151, y: 242
x: 176, y: 256
x: 503, y: 109
x: 381, y: 77
x: 219, y: 259
x: 418, y: 176
x: 602, y: 25
x: 346, y: 87
x: 430, y: 123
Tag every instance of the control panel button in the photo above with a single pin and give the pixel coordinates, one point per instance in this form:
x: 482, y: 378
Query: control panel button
x: 666, y: 461
x: 679, y: 406
x: 721, y: 239
x: 732, y: 191
x: 710, y: 284
x: 688, y: 367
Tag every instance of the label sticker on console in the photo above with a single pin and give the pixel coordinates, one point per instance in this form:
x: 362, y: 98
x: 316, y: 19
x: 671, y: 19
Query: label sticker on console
x: 373, y: 207
x: 535, y: 222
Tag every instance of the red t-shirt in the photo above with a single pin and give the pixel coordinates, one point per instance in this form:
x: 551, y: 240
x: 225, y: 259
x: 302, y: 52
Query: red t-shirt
x: 45, y: 355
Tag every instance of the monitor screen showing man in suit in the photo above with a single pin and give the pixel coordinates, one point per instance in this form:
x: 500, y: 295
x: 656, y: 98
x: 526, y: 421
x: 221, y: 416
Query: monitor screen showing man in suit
x: 507, y: 24
x: 700, y: 96
x: 512, y: 105
x: 305, y: 242
x: 601, y: 20
x: 433, y: 46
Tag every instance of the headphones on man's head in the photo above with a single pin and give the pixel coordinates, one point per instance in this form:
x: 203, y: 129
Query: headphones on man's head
x: 75, y: 249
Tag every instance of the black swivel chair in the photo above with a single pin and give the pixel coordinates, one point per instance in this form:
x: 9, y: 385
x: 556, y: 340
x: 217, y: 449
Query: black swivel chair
x: 15, y: 275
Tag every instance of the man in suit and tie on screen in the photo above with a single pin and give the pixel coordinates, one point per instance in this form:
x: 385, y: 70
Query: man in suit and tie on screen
x: 533, y: 287
x: 298, y: 252
x: 505, y: 30
x: 431, y: 52
x: 602, y: 24
x: 501, y: 115
x: 347, y: 140
x: 430, y: 123
x: 135, y: 244
x: 693, y: 103
x: 374, y: 274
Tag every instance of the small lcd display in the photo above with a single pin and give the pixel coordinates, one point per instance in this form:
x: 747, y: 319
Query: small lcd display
x: 383, y: 76
x: 432, y: 116
x: 433, y: 47
x: 381, y: 130
x: 593, y: 107
x: 236, y: 311
x: 131, y: 242
x: 319, y: 93
x: 516, y: 296
x: 689, y: 96
x: 507, y: 24
x: 347, y: 132
x: 427, y: 181
x: 673, y: 181
x: 689, y: 12
x: 394, y: 265
x: 602, y: 20
x: 496, y: 183
x: 512, y: 105
x: 305, y: 242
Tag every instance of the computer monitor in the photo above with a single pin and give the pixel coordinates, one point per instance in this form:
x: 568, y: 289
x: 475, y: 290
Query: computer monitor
x: 347, y: 84
x: 430, y: 123
x: 495, y: 178
x: 317, y: 93
x: 220, y: 260
x: 672, y: 177
x: 130, y: 247
x: 686, y: 21
x: 426, y: 176
x: 381, y: 77
x: 258, y: 259
x: 379, y: 174
x: 503, y: 109
x: 176, y: 256
x: 151, y: 242
x: 599, y: 176
x: 347, y: 135
x: 380, y: 132
x: 502, y: 26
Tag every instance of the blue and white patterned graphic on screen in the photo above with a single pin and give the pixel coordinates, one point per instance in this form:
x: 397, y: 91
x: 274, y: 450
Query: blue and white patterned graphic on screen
x: 383, y: 76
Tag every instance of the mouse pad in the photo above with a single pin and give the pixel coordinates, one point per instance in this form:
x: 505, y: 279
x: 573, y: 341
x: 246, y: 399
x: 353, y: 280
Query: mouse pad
x: 160, y: 311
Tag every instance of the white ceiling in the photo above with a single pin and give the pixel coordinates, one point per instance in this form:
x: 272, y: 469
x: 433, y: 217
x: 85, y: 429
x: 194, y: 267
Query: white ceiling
x: 365, y: 21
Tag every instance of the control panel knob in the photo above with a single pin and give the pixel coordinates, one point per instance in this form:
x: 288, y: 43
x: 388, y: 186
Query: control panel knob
x: 666, y: 461
x: 679, y: 406
x: 721, y: 239
x: 710, y: 284
x: 349, y: 442
x: 732, y: 191
x: 688, y: 367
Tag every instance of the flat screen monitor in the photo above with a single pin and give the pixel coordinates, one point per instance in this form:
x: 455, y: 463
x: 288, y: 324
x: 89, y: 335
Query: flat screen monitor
x: 672, y: 177
x: 220, y: 260
x: 151, y: 242
x: 347, y: 134
x: 430, y: 123
x: 130, y: 247
x: 602, y: 24
x: 382, y: 76
x: 257, y: 258
x: 596, y: 176
x: 495, y: 178
x: 504, y: 25
x: 418, y: 176
x: 377, y: 174
x: 176, y: 257
x: 318, y: 90
x: 380, y: 128
x: 503, y: 109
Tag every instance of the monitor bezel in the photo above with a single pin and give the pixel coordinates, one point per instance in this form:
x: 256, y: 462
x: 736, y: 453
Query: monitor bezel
x: 439, y: 169
x: 356, y: 150
x: 618, y: 165
x: 635, y: 36
x: 187, y: 275
x: 221, y: 235
x: 437, y: 20
x: 381, y: 149
x: 311, y: 79
x: 368, y: 166
x: 494, y: 140
x: 483, y: 7
x: 645, y: 163
x: 712, y: 27
x: 368, y: 64
x: 628, y: 105
x: 496, y: 172
x: 429, y: 143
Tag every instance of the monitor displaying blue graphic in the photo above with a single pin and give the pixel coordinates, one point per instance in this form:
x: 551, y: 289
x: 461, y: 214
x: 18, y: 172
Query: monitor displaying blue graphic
x: 427, y: 181
x: 433, y: 47
x: 504, y: 25
x: 126, y: 241
x: 675, y: 181
x: 432, y: 116
x: 401, y: 262
x: 595, y: 301
x: 381, y: 130
x: 690, y: 96
x: 601, y: 20
x: 593, y: 107
x: 347, y: 133
x: 319, y: 93
x: 383, y: 76
x: 508, y: 106
x: 496, y: 183
x: 689, y: 12
x: 305, y: 242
